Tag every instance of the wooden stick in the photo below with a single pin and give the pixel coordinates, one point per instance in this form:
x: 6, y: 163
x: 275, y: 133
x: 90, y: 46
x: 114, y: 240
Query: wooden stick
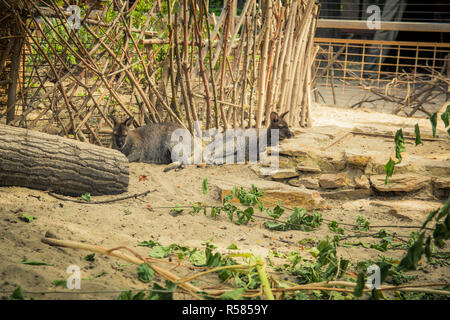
x: 137, y: 259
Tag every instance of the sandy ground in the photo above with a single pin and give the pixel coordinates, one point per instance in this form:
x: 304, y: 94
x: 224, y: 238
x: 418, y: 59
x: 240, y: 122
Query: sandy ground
x: 128, y: 222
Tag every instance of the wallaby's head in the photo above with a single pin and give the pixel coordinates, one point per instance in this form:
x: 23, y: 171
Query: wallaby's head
x: 278, y: 122
x: 120, y: 132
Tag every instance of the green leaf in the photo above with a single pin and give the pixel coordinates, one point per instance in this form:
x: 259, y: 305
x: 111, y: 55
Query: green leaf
x: 35, y: 263
x: 417, y: 132
x: 446, y: 116
x: 101, y: 274
x: 231, y: 196
x: 389, y: 169
x: 159, y: 252
x: 275, y: 225
x: 433, y: 120
x: 384, y: 270
x: 360, y: 282
x: 160, y: 293
x: 334, y: 226
x: 233, y: 247
x: 86, y: 197
x: 149, y: 243
x: 145, y: 273
x: 245, y: 216
x: 128, y: 295
x: 277, y: 211
x: 428, y: 252
x: 60, y: 283
x: 17, y: 294
x: 412, y: 258
x: 90, y: 257
x: 197, y: 258
x: 205, y: 186
x: 399, y: 144
x: 362, y: 224
x: 377, y: 295
x: 233, y: 294
x: 177, y: 209
x: 431, y: 215
x: 444, y: 210
x: 26, y: 217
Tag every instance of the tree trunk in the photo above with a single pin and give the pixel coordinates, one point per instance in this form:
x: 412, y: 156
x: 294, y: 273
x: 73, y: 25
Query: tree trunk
x: 41, y: 161
x: 14, y: 75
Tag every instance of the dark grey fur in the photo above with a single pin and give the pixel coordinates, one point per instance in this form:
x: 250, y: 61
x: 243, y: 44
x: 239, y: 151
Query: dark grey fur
x: 150, y: 143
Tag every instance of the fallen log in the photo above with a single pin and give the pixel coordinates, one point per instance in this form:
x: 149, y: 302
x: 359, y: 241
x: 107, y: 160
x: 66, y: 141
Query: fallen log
x: 46, y: 162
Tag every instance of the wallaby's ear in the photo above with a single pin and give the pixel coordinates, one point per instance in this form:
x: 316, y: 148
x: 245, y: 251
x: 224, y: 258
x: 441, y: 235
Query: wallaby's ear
x: 128, y: 122
x: 274, y: 117
x: 284, y: 114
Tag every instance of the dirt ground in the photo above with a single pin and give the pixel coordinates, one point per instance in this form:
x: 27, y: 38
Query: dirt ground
x: 128, y: 222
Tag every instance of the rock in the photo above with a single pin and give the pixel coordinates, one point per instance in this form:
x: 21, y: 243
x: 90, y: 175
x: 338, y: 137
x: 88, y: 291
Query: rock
x: 332, y: 162
x: 276, y: 191
x: 283, y: 162
x: 357, y: 160
x: 406, y: 209
x: 347, y: 194
x: 292, y: 151
x: 313, y: 169
x: 333, y: 181
x: 375, y: 130
x: 374, y: 167
x: 362, y: 182
x: 310, y: 183
x: 441, y: 187
x: 400, y: 182
x: 442, y: 183
x: 281, y: 174
x: 438, y: 168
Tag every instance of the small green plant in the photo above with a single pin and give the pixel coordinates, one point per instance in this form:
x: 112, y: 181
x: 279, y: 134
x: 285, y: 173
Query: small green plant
x: 362, y: 224
x: 17, y: 294
x: 26, y: 217
x: 86, y: 197
x: 90, y: 257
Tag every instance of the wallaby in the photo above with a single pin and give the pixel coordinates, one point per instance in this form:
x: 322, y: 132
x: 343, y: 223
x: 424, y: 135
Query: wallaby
x: 241, y: 142
x: 150, y: 143
x: 153, y: 143
x: 278, y: 122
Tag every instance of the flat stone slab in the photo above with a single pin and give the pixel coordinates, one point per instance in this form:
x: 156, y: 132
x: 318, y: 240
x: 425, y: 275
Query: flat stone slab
x: 275, y: 191
x: 362, y: 182
x: 310, y: 183
x: 282, y: 174
x: 311, y: 169
x: 406, y: 209
x: 347, y: 194
x: 331, y: 161
x: 357, y: 160
x: 442, y: 183
x: 441, y: 187
x: 438, y: 168
x: 333, y: 181
x: 400, y: 182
